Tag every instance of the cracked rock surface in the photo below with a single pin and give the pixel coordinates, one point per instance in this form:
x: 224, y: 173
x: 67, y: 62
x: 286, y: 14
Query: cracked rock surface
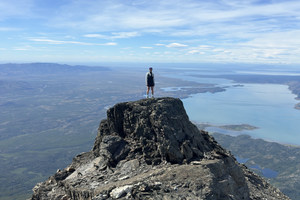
x: 148, y: 149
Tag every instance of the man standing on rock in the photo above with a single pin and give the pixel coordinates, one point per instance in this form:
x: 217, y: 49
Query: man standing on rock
x: 150, y: 82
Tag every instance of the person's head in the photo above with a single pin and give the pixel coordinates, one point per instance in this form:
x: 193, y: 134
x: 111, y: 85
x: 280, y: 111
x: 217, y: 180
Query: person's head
x: 150, y: 69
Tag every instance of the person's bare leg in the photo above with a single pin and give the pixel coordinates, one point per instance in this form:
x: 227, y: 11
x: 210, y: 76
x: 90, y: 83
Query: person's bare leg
x: 148, y: 88
x: 152, y: 90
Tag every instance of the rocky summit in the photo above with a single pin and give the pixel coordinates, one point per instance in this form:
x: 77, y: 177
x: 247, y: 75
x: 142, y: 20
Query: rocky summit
x: 148, y: 149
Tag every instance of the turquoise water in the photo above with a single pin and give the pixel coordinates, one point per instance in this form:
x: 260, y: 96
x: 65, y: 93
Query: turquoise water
x: 267, y: 106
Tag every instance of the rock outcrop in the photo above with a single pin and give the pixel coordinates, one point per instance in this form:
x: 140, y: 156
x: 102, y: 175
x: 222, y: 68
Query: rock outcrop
x: 148, y: 149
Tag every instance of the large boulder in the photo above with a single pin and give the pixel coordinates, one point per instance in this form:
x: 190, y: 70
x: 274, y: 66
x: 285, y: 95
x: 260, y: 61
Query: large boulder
x: 158, y: 130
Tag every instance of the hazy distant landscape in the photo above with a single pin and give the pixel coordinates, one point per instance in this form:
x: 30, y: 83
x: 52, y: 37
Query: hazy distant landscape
x: 49, y: 116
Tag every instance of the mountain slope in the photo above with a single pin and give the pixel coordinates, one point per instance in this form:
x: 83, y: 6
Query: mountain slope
x: 283, y: 159
x: 148, y: 149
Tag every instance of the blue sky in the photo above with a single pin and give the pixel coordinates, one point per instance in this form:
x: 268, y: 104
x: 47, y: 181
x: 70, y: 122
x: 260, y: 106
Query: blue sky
x: 168, y: 31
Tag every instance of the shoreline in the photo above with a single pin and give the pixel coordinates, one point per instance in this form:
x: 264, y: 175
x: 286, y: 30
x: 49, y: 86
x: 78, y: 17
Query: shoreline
x: 266, y: 140
x: 293, y: 85
x: 231, y: 127
x: 241, y: 127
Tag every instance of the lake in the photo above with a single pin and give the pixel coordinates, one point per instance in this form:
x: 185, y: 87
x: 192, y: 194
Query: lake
x: 267, y: 106
x: 266, y: 171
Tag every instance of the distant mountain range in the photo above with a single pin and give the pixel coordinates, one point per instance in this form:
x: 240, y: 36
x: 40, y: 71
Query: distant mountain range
x: 12, y: 69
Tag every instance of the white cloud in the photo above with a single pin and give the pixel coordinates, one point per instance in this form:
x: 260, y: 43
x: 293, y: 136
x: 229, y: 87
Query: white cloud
x: 109, y: 44
x: 174, y: 18
x: 218, y: 50
x: 227, y: 29
x: 176, y: 45
x: 195, y: 52
x: 174, y: 53
x: 116, y: 35
x: 29, y: 48
x: 69, y: 36
x: 95, y: 36
x: 125, y: 34
x: 207, y: 47
x: 146, y: 47
x: 70, y: 42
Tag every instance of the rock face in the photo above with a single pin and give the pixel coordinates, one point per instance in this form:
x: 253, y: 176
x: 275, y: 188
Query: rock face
x: 148, y: 149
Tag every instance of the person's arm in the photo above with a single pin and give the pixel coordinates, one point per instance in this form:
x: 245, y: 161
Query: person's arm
x: 153, y: 80
x: 146, y: 78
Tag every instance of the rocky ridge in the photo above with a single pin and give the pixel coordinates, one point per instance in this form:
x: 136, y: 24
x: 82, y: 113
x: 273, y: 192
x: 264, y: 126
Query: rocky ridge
x: 14, y: 69
x: 148, y: 149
